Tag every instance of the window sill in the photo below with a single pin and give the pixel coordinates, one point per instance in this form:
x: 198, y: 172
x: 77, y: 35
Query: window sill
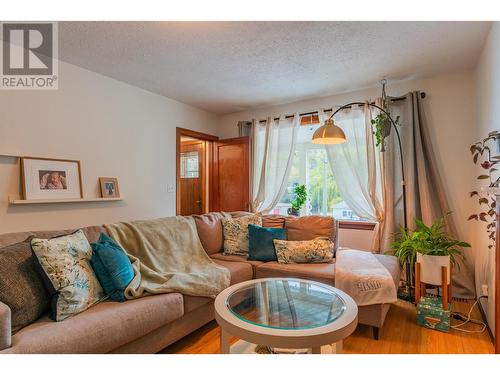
x: 357, y: 225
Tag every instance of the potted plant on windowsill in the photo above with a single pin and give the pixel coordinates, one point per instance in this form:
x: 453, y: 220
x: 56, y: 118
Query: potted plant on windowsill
x: 431, y: 246
x: 299, y: 200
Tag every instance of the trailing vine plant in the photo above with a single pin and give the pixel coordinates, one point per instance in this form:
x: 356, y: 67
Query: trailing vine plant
x: 382, y: 126
x: 381, y: 122
x: 487, y: 202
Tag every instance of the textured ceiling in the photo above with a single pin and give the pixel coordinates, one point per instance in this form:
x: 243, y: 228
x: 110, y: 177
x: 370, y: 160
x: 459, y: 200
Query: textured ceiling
x: 226, y: 67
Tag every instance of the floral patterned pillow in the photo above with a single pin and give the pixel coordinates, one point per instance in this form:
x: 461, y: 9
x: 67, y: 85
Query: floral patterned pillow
x: 69, y: 278
x: 236, y: 233
x: 318, y: 250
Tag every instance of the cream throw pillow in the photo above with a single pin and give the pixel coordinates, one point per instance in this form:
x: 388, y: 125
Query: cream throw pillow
x: 70, y: 279
x: 236, y: 233
x: 318, y: 250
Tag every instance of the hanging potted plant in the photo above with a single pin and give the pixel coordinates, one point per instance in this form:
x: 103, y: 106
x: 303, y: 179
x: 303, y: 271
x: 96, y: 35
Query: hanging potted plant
x: 431, y: 246
x: 382, y: 122
x: 299, y: 200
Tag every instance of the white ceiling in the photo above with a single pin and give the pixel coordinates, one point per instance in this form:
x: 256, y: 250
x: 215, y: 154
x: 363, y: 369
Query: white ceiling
x: 226, y: 67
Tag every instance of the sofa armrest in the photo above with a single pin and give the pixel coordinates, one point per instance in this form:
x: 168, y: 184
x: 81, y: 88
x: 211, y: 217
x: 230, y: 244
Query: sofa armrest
x: 5, y: 326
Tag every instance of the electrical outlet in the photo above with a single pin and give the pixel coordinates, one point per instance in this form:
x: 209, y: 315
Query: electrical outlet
x: 484, y: 289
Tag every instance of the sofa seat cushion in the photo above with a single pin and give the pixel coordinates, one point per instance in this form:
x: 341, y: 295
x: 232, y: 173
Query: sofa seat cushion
x: 240, y: 268
x: 321, y: 272
x: 191, y: 303
x: 100, y: 329
x: 240, y: 271
x: 236, y: 258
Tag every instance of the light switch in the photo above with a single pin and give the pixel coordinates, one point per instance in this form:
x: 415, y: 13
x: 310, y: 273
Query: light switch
x: 170, y: 188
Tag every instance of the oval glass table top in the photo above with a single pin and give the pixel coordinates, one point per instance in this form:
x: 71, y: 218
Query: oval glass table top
x: 286, y: 304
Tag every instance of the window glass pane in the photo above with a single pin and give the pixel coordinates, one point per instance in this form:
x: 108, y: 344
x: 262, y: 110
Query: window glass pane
x: 311, y: 168
x: 189, y: 164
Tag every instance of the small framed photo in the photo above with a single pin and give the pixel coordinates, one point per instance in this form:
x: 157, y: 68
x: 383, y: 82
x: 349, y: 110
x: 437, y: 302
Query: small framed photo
x: 44, y: 178
x: 109, y: 187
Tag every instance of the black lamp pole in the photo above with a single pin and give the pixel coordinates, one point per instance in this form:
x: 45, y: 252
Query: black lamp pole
x: 403, y: 183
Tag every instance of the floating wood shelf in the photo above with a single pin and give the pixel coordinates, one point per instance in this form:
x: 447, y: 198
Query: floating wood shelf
x: 10, y: 154
x: 16, y: 200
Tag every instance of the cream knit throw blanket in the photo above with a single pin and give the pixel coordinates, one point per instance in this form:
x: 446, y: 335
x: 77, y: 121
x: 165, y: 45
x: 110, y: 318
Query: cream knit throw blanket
x: 167, y: 256
x: 363, y: 277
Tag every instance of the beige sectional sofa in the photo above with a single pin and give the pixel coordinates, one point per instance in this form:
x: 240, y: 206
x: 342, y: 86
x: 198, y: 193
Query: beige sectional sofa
x: 150, y: 324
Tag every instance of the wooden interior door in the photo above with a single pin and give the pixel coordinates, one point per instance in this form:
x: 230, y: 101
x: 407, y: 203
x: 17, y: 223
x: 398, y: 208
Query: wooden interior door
x: 232, y: 174
x: 192, y: 167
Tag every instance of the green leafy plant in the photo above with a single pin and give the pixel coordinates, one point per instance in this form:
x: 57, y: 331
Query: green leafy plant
x: 426, y: 240
x: 487, y: 202
x: 300, y: 197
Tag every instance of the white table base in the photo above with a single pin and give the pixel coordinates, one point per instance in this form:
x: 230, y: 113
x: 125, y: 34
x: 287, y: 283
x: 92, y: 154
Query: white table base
x: 244, y: 347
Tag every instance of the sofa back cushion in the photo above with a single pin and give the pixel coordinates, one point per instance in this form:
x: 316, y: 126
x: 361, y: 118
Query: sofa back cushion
x: 209, y: 227
x: 21, y: 286
x: 306, y: 228
x: 273, y: 221
x: 92, y: 233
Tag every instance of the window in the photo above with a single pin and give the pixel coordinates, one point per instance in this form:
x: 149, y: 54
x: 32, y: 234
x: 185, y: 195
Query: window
x: 312, y: 168
x: 190, y: 164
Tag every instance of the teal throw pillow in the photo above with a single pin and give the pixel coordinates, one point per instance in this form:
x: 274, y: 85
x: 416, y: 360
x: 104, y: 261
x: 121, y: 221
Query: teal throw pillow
x: 261, y: 245
x: 111, y: 266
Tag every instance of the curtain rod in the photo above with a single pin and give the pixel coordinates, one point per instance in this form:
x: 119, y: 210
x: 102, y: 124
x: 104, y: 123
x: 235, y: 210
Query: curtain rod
x: 422, y: 95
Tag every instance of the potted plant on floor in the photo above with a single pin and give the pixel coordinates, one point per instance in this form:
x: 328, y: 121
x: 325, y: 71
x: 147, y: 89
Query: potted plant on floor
x: 431, y: 246
x: 299, y: 200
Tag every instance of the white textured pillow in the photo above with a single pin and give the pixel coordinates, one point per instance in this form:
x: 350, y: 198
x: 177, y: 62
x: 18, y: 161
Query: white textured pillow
x: 71, y: 281
x: 236, y: 233
x: 318, y: 250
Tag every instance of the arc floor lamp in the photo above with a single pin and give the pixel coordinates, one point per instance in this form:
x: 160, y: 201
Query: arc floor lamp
x: 330, y: 133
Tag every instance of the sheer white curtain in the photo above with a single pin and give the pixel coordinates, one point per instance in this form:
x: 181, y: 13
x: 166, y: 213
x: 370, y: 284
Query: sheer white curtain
x: 273, y: 147
x: 355, y: 166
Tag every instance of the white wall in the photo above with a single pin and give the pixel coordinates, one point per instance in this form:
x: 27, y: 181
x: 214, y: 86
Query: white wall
x: 488, y: 119
x: 113, y: 128
x: 450, y: 110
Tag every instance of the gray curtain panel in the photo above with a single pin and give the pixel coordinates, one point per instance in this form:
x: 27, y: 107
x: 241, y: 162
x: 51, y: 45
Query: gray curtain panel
x: 244, y: 128
x: 424, y: 187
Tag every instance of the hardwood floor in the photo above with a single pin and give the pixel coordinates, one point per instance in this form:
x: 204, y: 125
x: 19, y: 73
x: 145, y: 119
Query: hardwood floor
x: 400, y: 335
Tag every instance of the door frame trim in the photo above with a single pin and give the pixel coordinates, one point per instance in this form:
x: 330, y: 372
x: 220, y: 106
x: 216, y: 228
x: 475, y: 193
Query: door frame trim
x: 210, y: 139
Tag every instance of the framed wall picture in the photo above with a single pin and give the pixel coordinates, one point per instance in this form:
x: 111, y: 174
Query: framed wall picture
x: 109, y: 187
x: 44, y: 178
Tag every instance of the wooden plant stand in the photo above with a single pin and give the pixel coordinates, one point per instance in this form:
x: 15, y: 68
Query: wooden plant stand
x: 421, y: 287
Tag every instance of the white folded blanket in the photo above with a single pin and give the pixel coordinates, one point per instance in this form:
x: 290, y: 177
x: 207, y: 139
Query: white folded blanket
x: 364, y: 278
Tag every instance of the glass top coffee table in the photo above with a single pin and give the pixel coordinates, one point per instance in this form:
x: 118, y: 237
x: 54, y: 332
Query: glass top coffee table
x: 285, y: 313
